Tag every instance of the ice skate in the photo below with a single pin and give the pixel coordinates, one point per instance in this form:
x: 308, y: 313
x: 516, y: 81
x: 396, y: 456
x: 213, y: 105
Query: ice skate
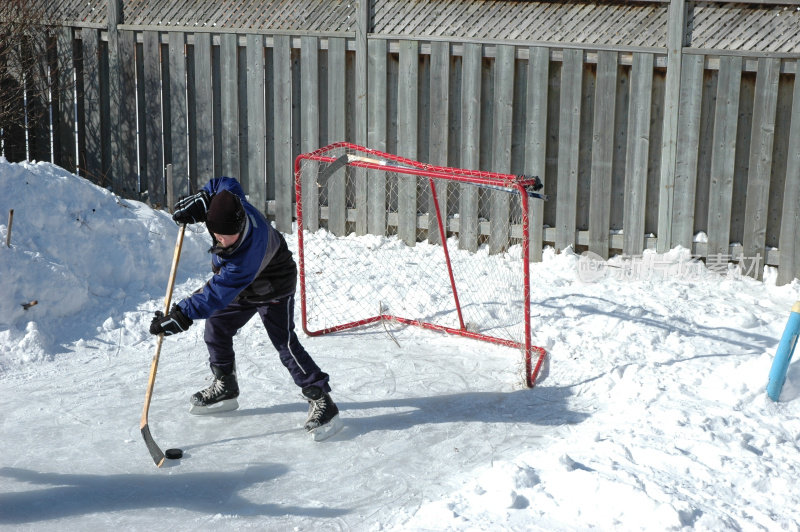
x: 323, y: 414
x: 219, y: 397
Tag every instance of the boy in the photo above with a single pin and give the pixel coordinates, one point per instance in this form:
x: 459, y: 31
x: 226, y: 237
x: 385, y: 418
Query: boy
x: 254, y: 272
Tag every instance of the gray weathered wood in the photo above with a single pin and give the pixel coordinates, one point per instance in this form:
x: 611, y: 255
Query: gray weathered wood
x: 603, y: 152
x: 178, y: 114
x: 439, y: 130
x: 361, y: 103
x: 407, y: 137
x: 229, y: 104
x: 284, y: 167
x: 500, y: 208
x: 115, y: 14
x: 377, y: 134
x: 122, y: 93
x: 337, y: 186
x: 362, y: 67
x: 758, y: 180
x: 309, y: 126
x: 686, y: 152
x: 470, y: 143
x: 91, y: 96
x: 789, y: 239
x: 204, y: 110
x: 669, y: 135
x: 153, y: 171
x: 536, y: 140
x: 637, y: 153
x: 66, y: 99
x: 568, y: 148
x: 256, y: 123
x: 723, y: 157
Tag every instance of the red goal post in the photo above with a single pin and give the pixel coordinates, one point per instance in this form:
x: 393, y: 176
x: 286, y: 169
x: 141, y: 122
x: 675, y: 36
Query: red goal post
x: 382, y: 237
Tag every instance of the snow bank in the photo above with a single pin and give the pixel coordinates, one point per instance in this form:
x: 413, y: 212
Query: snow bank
x: 82, y: 253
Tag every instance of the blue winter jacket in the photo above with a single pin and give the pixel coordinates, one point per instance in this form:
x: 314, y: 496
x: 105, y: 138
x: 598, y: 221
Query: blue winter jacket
x: 258, y: 268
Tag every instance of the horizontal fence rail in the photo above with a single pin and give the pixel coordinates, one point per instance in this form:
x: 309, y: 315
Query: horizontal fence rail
x: 638, y: 147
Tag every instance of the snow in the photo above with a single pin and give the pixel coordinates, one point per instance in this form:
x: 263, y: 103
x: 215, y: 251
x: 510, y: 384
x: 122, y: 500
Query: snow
x: 651, y: 413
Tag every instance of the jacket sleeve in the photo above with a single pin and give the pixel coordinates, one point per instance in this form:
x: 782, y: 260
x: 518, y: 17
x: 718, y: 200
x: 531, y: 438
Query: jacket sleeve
x: 235, y: 274
x: 219, y: 291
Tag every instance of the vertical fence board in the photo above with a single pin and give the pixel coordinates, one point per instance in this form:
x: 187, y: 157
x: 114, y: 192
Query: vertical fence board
x: 439, y: 129
x: 256, y: 126
x: 637, y: 153
x: 37, y: 98
x: 377, y: 133
x: 669, y: 136
x: 241, y: 86
x: 337, y: 206
x: 758, y: 181
x: 91, y: 95
x: 122, y: 104
x: 470, y: 143
x: 686, y: 151
x: 622, y: 107
x: 536, y: 139
x: 789, y: 239
x: 309, y: 126
x: 284, y: 175
x: 66, y: 111
x: 153, y: 170
x: 141, y: 120
x: 166, y: 119
x: 229, y: 104
x: 191, y: 117
x: 723, y: 156
x: 585, y: 141
x: 500, y: 208
x: 204, y: 109
x: 705, y: 148
x: 363, y: 28
x: 178, y: 116
x: 569, y: 148
x: 407, y: 135
x: 602, y: 152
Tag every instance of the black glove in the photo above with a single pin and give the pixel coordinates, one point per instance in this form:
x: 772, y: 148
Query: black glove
x: 173, y: 323
x: 192, y: 209
x: 537, y: 183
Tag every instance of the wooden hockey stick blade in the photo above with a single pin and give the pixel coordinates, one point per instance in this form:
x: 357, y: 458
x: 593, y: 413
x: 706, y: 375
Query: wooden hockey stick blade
x: 152, y: 446
x: 331, y: 168
x: 155, y: 451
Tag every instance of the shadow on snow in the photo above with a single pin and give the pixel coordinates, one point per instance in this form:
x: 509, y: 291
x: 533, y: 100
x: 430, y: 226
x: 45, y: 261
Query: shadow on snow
x: 64, y: 495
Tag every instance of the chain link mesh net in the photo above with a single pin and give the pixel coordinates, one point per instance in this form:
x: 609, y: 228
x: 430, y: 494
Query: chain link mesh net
x: 371, y: 245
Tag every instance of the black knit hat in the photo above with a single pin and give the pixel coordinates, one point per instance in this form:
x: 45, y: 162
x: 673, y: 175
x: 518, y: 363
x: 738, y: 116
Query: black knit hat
x: 225, y: 214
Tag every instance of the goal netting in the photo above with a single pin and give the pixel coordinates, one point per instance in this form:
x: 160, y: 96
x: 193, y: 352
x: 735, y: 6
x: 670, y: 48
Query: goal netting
x: 381, y: 237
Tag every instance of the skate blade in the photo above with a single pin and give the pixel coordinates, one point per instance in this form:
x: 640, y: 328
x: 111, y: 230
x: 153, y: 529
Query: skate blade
x: 217, y: 408
x: 327, y: 430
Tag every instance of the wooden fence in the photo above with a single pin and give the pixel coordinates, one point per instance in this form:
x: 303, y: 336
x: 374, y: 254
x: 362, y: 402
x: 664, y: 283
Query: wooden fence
x: 640, y: 148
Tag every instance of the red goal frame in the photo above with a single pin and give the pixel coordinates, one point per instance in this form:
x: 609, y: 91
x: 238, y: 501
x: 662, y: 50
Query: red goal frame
x: 376, y: 160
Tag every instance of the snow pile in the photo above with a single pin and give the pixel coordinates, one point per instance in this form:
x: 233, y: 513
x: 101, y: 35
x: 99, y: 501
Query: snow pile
x: 81, y: 253
x: 651, y: 413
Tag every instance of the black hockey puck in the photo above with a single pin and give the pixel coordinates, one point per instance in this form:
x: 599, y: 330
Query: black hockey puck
x: 173, y: 454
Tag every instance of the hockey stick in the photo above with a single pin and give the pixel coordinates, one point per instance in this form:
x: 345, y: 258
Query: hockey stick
x: 152, y: 446
x: 331, y: 168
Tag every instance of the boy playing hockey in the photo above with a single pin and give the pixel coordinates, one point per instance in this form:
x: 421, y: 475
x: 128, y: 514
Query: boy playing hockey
x: 254, y: 272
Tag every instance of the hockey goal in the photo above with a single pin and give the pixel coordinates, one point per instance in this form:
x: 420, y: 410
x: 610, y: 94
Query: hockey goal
x: 381, y: 237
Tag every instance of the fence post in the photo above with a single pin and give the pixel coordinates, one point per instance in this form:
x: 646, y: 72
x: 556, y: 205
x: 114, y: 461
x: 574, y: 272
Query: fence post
x: 362, y: 62
x: 669, y: 137
x: 114, y: 19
